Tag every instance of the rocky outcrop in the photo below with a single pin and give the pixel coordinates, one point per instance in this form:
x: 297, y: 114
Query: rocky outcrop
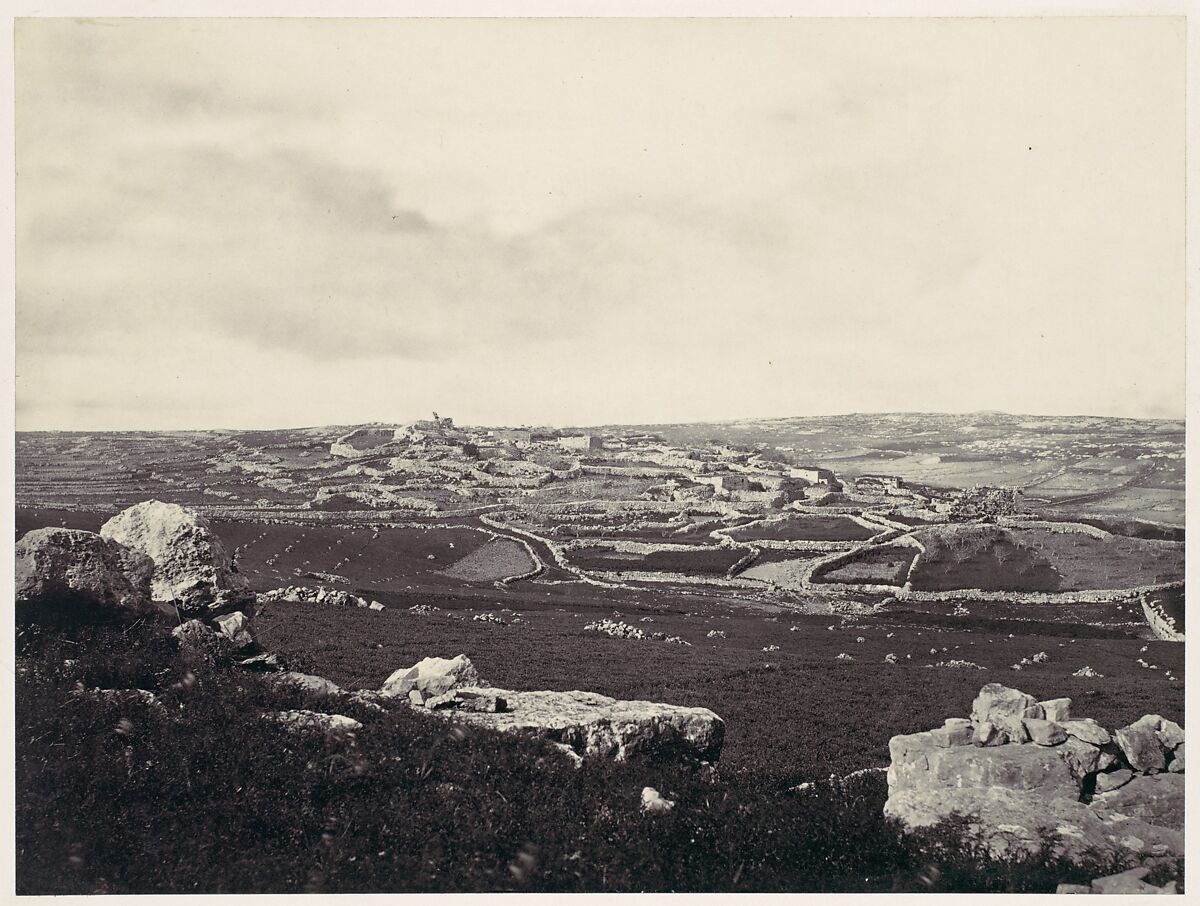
x: 71, y: 568
x: 595, y: 725
x: 191, y: 566
x: 1114, y: 795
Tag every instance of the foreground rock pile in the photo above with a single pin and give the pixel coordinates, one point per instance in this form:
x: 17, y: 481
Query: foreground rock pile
x: 1020, y: 769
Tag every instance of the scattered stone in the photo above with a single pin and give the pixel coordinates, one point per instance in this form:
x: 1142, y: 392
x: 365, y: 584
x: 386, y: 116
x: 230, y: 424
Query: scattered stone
x: 716, y: 634
x: 1014, y: 795
x: 1169, y: 733
x: 653, y: 803
x: 302, y: 721
x: 1129, y: 882
x: 1157, y: 799
x: 843, y: 657
x: 262, y: 662
x: 1081, y: 757
x: 235, y: 627
x: 615, y: 628
x: 306, y: 682
x: 1041, y: 657
x: 1088, y: 671
x: 575, y: 758
x: 1073, y: 888
x: 193, y: 634
x: 945, y: 737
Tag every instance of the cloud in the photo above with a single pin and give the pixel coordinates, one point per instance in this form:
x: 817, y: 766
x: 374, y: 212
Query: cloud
x: 760, y: 217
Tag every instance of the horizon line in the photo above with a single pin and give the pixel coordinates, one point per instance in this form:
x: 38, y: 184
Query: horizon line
x: 723, y: 421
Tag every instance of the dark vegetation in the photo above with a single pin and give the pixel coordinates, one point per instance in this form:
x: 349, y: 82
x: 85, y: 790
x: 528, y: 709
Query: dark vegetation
x: 204, y: 796
x: 984, y: 557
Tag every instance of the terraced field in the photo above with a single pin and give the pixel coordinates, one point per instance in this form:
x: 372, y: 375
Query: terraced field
x: 804, y: 528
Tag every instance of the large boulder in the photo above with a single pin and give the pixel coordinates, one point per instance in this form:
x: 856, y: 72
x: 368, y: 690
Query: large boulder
x: 595, y: 725
x: 191, y: 566
x: 80, y: 571
x: 431, y: 677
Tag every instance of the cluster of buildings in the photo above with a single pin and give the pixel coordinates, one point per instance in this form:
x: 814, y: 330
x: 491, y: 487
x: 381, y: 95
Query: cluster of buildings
x: 757, y: 476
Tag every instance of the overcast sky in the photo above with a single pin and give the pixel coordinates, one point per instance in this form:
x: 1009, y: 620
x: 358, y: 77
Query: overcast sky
x: 254, y: 223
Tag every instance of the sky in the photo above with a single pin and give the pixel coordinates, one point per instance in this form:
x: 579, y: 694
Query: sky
x: 236, y: 223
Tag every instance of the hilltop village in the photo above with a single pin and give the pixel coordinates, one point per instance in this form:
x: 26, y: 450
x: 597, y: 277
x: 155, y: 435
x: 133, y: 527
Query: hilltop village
x: 394, y: 467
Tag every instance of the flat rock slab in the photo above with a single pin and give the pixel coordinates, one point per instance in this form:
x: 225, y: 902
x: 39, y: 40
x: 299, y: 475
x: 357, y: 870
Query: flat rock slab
x: 920, y: 762
x: 596, y: 725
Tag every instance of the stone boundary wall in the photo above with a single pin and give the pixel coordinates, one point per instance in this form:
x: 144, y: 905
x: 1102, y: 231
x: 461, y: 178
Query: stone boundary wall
x: 744, y: 563
x: 642, y: 547
x: 1095, y: 596
x: 1057, y: 528
x: 678, y: 579
x: 1161, y: 624
x: 633, y: 471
